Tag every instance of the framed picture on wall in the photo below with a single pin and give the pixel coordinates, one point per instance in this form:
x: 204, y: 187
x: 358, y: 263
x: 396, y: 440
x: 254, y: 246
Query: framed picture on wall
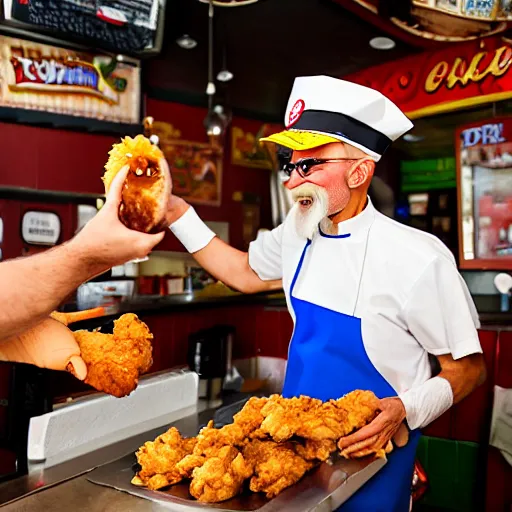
x: 246, y: 152
x: 196, y: 167
x: 484, y: 185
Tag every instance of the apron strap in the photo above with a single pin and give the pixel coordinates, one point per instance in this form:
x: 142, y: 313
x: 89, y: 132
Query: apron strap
x: 299, y: 266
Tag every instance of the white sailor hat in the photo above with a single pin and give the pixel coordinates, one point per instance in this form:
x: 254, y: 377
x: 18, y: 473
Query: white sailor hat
x: 322, y: 109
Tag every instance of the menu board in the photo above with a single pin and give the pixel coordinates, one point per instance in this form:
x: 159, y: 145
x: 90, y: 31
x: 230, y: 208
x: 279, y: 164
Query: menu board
x: 41, y: 77
x: 484, y: 167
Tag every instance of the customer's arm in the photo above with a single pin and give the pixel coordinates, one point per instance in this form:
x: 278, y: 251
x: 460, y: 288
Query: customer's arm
x: 33, y: 286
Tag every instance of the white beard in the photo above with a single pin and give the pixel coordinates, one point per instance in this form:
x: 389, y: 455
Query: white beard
x: 307, y: 221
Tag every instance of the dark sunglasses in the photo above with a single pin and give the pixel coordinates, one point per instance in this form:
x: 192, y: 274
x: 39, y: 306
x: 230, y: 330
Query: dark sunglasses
x: 304, y: 165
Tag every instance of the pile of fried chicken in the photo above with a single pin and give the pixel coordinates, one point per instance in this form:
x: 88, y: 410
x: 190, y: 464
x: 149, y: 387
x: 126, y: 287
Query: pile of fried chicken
x: 271, y: 443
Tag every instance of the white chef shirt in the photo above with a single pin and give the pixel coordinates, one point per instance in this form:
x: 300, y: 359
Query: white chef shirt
x: 411, y: 299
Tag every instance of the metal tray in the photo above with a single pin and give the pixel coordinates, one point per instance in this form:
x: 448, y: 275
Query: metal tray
x: 323, y: 489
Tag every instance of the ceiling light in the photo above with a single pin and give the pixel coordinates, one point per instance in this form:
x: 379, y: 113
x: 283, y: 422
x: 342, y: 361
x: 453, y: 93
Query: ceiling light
x: 224, y: 75
x: 410, y: 137
x: 186, y: 42
x: 210, y: 89
x: 382, y: 43
x: 214, y: 123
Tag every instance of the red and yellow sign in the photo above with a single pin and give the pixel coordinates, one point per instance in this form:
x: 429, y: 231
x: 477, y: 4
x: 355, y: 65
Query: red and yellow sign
x: 41, y: 77
x: 436, y: 82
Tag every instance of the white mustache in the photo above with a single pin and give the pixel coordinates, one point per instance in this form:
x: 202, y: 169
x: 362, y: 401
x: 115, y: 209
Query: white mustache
x: 306, y: 222
x: 307, y: 190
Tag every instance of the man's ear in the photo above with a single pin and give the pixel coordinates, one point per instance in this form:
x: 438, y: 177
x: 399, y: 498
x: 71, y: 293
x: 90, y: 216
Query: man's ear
x: 362, y: 173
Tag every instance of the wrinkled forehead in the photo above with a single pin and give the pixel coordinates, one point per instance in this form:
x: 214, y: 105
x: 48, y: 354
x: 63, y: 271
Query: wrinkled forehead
x: 333, y: 150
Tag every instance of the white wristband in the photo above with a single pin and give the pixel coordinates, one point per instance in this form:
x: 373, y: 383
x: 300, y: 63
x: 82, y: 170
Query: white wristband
x: 423, y: 404
x: 191, y: 231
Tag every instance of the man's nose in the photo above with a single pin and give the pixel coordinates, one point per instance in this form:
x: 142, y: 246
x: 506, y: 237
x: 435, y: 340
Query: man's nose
x: 295, y: 180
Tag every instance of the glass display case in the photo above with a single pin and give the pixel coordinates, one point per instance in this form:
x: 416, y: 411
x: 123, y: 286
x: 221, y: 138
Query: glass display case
x: 484, y: 183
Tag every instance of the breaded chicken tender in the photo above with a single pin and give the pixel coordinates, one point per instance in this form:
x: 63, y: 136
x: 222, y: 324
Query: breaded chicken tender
x: 115, y: 361
x: 221, y: 477
x: 276, y: 466
x: 158, y: 460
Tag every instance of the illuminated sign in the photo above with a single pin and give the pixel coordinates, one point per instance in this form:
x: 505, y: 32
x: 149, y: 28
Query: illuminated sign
x: 485, y: 135
x: 458, y: 76
x: 462, y: 72
x: 64, y: 76
x: 61, y: 81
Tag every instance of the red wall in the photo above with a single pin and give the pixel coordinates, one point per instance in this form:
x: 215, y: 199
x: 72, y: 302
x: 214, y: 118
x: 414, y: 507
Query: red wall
x: 50, y: 159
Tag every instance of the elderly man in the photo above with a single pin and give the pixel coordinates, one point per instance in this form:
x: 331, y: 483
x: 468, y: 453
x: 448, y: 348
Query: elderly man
x: 370, y: 298
x: 34, y: 286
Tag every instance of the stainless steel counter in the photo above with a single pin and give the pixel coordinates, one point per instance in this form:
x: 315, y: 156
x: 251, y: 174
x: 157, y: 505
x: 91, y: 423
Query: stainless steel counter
x: 79, y: 495
x: 65, y: 487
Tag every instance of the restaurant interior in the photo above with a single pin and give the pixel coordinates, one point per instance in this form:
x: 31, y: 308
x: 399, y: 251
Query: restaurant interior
x: 208, y: 79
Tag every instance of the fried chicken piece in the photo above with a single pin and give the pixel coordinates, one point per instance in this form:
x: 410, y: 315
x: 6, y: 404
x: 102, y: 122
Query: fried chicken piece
x: 338, y: 418
x: 283, y: 417
x: 115, y: 361
x: 221, y: 477
x: 312, y: 419
x: 210, y: 440
x: 361, y: 407
x: 276, y: 466
x: 316, y: 450
x: 249, y: 418
x: 245, y: 422
x: 190, y: 462
x: 158, y: 460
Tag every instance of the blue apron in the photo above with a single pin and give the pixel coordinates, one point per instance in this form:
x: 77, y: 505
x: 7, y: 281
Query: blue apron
x: 327, y: 359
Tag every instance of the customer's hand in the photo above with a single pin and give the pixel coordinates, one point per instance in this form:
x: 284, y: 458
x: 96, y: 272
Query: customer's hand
x: 49, y: 344
x: 105, y: 241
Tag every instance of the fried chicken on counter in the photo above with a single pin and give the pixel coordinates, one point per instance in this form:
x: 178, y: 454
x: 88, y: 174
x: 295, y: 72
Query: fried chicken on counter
x: 158, y: 460
x: 316, y: 450
x: 313, y: 419
x: 283, y: 417
x: 115, y: 361
x: 245, y: 423
x: 221, y: 477
x: 190, y: 462
x: 272, y: 442
x: 276, y: 466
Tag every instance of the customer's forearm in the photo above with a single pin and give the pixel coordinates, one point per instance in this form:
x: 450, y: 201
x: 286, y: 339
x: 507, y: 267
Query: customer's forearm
x: 32, y: 287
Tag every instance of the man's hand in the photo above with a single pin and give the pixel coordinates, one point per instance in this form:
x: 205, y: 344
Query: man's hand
x: 378, y: 434
x: 105, y: 241
x: 176, y: 206
x: 49, y: 344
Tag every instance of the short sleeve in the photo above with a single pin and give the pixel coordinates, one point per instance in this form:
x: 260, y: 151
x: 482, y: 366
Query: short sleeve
x: 265, y: 254
x: 440, y: 312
